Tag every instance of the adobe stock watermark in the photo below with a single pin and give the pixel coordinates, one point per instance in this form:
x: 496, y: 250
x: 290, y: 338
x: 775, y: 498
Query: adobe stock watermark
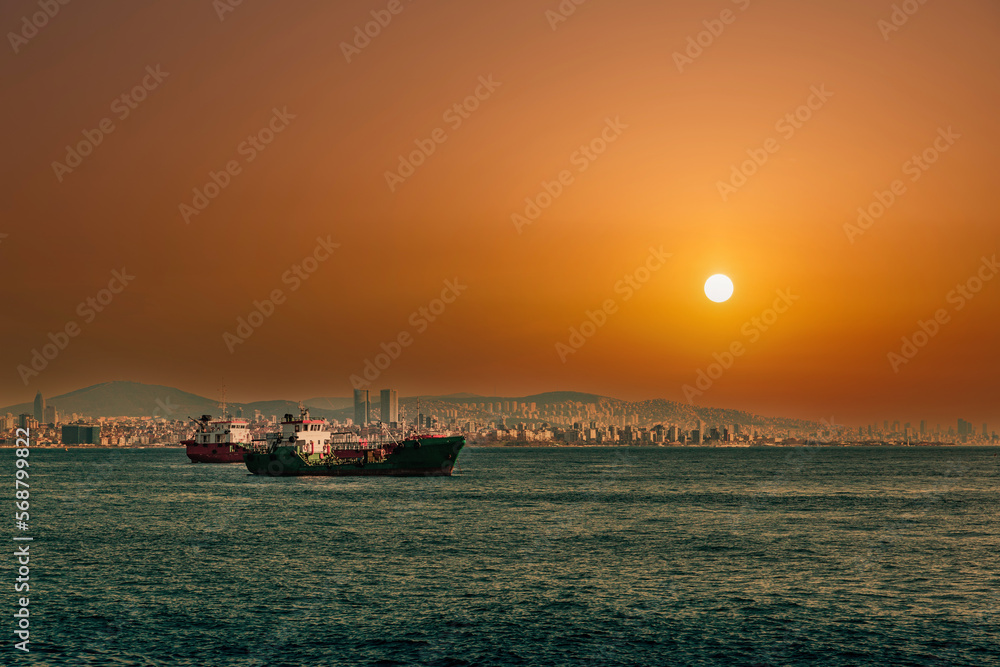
x: 752, y: 330
x: 364, y: 34
x: 899, y: 17
x: 562, y: 12
x: 915, y: 167
x: 31, y: 25
x: 293, y: 277
x: 697, y: 43
x: 249, y: 148
x: 167, y: 406
x: 122, y: 106
x: 959, y: 297
x: 626, y: 287
x: 223, y: 7
x: 786, y: 126
x: 420, y: 320
x: 581, y: 158
x: 88, y: 310
x: 454, y: 116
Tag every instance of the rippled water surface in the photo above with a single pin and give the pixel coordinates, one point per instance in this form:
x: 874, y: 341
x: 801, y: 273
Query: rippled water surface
x: 523, y: 557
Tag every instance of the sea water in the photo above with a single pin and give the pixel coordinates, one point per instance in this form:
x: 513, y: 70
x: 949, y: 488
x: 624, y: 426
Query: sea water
x: 541, y: 556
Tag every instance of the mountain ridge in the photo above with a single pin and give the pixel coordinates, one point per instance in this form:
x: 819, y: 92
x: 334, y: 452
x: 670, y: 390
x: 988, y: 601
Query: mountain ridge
x: 122, y: 398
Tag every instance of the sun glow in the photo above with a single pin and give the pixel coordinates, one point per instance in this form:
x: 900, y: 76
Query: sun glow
x: 719, y: 288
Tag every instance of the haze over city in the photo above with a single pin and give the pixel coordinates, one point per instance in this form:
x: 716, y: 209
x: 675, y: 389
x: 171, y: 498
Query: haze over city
x: 532, y: 178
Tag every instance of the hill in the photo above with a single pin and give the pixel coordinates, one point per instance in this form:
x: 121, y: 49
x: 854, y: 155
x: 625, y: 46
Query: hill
x: 331, y: 403
x: 126, y: 399
x: 132, y: 399
x: 544, y: 399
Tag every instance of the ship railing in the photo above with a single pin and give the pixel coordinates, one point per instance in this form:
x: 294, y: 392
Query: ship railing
x: 259, y: 446
x: 338, y: 441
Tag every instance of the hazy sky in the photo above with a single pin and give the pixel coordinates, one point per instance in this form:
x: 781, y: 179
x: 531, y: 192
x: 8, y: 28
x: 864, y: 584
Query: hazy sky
x: 635, y: 129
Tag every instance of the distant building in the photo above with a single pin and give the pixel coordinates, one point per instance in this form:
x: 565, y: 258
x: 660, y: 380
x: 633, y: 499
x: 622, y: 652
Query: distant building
x: 390, y: 406
x: 51, y: 415
x: 81, y: 434
x: 362, y: 407
x: 39, y: 408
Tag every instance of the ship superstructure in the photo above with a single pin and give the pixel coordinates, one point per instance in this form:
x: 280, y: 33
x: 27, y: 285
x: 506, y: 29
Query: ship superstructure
x: 306, y: 446
x: 222, y: 440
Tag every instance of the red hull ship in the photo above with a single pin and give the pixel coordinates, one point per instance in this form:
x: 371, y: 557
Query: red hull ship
x: 222, y: 441
x: 199, y: 453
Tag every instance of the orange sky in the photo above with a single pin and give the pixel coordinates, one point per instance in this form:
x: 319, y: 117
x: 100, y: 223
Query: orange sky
x: 678, y: 135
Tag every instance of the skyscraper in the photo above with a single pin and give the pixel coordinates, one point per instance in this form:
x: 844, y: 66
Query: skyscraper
x: 361, y: 407
x: 390, y: 406
x: 698, y: 435
x: 39, y: 408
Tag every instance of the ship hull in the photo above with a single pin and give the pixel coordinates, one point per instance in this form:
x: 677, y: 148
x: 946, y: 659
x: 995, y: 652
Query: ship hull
x: 217, y: 453
x: 418, y: 457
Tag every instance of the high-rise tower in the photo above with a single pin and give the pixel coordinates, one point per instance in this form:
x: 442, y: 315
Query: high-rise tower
x: 361, y: 407
x: 390, y: 406
x: 39, y: 408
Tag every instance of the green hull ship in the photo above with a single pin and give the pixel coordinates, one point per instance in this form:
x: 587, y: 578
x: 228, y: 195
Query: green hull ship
x: 307, y: 447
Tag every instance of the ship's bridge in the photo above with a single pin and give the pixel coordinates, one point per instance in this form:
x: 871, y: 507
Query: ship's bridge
x: 225, y: 432
x: 304, y: 426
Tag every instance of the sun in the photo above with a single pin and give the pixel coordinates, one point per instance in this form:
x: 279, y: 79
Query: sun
x: 719, y: 288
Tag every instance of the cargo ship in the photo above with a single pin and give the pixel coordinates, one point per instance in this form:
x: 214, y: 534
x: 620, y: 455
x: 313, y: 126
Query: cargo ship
x: 225, y: 440
x: 307, y: 446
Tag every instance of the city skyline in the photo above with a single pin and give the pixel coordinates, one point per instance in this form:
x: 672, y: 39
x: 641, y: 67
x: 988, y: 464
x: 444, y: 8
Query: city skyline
x: 559, y: 420
x: 389, y: 402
